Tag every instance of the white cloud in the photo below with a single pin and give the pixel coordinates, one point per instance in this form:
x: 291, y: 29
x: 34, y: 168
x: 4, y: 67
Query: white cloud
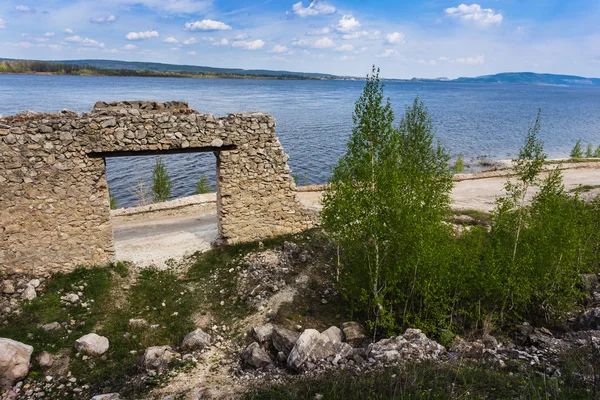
x: 395, y: 38
x: 316, y: 7
x: 442, y: 58
x: 141, y: 35
x: 323, y: 43
x: 222, y: 42
x: 25, y: 9
x: 171, y: 40
x: 103, y: 20
x: 429, y: 63
x: 175, y: 48
x: 319, y: 32
x: 475, y: 13
x: 189, y: 41
x: 249, y: 45
x: 387, y: 53
x: 346, y: 58
x: 49, y: 34
x: 25, y: 45
x: 344, y: 47
x: 471, y: 60
x: 347, y: 24
x: 129, y: 47
x: 192, y: 53
x: 2, y: 25
x: 55, y: 46
x: 278, y: 49
x: 241, y: 36
x: 371, y: 35
x: 300, y: 43
x: 207, y: 25
x: 68, y: 31
x: 84, y: 41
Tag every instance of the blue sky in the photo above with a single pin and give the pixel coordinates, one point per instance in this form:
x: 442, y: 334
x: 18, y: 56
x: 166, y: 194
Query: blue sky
x: 405, y: 38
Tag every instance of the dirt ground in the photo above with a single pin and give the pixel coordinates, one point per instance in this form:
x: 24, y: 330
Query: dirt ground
x: 186, y: 229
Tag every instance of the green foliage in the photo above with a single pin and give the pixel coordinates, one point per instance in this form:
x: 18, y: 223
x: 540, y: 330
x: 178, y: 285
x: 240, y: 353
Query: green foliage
x: 459, y: 165
x: 113, y: 202
x: 161, y: 183
x: 577, y: 151
x: 385, y: 207
x: 597, y: 152
x: 202, y: 185
x: 589, y: 151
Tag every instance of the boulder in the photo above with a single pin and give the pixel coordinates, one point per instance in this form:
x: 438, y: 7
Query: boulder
x: 263, y: 334
x: 255, y: 357
x: 14, y: 361
x: 354, y: 333
x: 29, y: 293
x: 284, y: 339
x: 412, y: 346
x: 313, y: 346
x: 157, y: 358
x: 92, y: 344
x: 45, y: 359
x: 334, y: 334
x: 70, y: 298
x: 196, y: 340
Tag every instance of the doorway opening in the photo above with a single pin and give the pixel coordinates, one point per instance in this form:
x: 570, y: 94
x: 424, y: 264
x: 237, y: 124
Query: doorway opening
x: 154, y: 227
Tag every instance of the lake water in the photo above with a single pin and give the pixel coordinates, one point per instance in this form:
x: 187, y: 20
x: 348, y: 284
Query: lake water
x: 314, y: 118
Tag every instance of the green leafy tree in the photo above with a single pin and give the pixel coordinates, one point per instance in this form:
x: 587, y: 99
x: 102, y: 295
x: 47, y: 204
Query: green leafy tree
x: 202, y: 185
x: 161, y: 183
x: 385, y: 207
x: 459, y: 165
x: 577, y: 151
x: 597, y: 152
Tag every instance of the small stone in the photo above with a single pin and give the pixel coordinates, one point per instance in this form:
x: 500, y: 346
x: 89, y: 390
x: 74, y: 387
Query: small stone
x: 52, y: 326
x: 196, y: 340
x: 35, y: 283
x: 157, y: 358
x: 29, y: 293
x: 92, y: 344
x: 8, y: 287
x: 70, y: 298
x: 255, y: 357
x: 334, y: 334
x: 45, y: 359
x: 138, y: 323
x: 108, y: 396
x: 263, y: 333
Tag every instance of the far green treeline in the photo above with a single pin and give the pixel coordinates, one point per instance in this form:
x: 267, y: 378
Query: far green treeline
x: 51, y: 68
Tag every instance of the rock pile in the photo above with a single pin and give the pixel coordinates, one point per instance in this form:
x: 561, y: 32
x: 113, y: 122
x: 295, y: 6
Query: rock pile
x: 14, y: 291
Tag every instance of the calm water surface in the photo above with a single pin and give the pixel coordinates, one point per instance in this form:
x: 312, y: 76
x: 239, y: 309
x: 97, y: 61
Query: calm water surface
x: 314, y: 118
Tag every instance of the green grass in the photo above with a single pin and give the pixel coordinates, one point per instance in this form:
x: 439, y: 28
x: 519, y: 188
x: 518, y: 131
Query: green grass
x: 571, y: 161
x: 427, y: 380
x: 584, y: 188
x: 480, y: 217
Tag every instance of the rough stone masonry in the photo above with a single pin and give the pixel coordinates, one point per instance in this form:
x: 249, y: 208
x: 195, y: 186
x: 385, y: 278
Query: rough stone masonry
x: 54, y: 200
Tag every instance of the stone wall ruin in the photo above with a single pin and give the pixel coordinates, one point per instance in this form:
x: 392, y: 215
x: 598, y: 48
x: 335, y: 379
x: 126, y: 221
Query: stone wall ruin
x: 54, y: 201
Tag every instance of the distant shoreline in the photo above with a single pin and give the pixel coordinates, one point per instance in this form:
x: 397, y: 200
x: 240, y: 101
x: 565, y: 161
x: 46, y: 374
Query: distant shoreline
x: 170, y: 75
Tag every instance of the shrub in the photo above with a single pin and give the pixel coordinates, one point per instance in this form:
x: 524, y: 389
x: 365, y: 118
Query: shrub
x: 113, y: 202
x: 161, y: 183
x: 142, y: 193
x: 597, y: 152
x: 577, y: 151
x: 202, y: 185
x: 589, y: 151
x: 459, y: 165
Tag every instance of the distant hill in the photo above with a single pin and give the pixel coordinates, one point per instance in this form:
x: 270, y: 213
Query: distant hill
x: 532, y: 79
x: 134, y: 65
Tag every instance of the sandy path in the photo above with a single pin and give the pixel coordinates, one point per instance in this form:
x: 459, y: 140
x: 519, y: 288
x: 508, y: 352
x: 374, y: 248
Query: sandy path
x: 153, y: 238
